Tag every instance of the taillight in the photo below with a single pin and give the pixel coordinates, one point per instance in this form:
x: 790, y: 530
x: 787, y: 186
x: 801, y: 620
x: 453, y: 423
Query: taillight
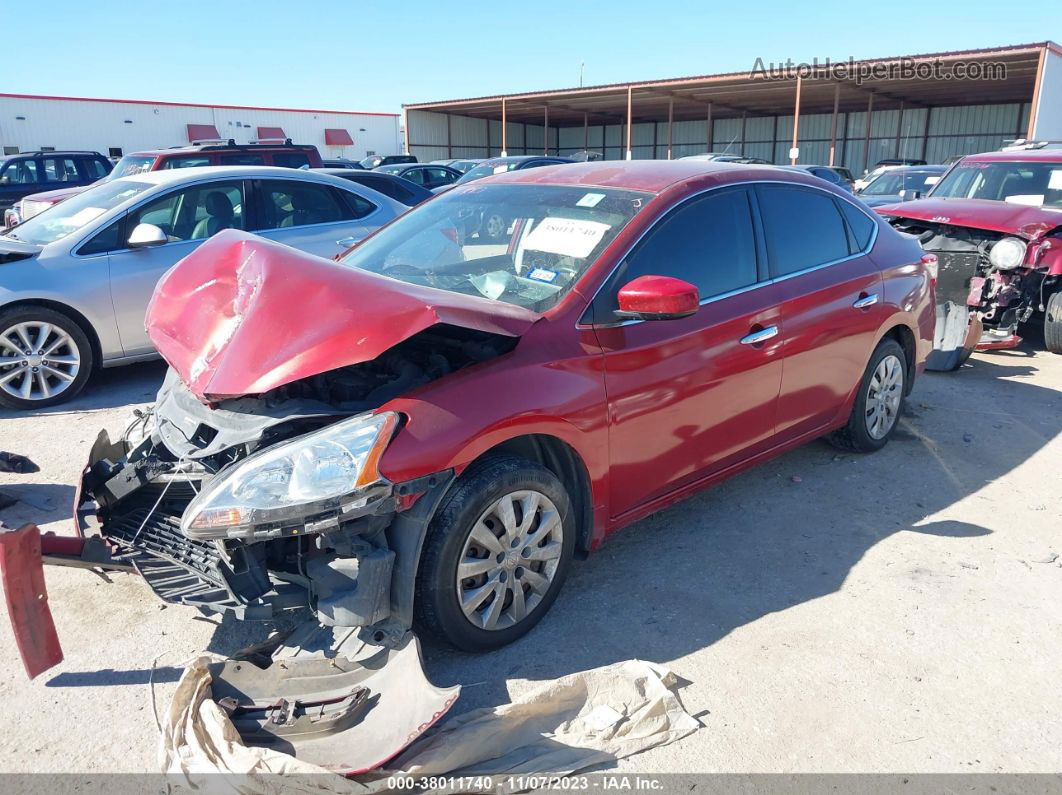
x: 930, y: 261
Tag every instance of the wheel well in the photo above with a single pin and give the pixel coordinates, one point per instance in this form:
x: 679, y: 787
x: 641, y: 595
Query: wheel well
x: 73, y: 314
x: 903, y: 335
x: 562, y: 460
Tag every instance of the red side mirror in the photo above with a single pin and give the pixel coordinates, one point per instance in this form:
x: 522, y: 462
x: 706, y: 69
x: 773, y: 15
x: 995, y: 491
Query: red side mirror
x: 657, y: 298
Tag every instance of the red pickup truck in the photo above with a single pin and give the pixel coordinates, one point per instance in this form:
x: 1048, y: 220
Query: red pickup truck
x: 994, y: 221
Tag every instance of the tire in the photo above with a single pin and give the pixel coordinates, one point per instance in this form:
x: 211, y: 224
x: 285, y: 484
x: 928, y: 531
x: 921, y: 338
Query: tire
x: 50, y: 381
x: 863, y: 433
x: 1053, y: 323
x: 451, y: 541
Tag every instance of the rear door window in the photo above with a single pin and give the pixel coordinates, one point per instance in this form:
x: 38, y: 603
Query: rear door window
x: 60, y: 169
x: 286, y: 203
x: 802, y: 228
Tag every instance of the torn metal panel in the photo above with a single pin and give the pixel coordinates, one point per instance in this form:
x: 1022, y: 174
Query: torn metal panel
x: 1031, y: 223
x: 226, y: 316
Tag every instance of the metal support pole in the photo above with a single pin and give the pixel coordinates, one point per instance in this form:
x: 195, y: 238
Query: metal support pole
x: 899, y: 130
x: 796, y: 123
x: 925, y: 134
x: 489, y: 153
x: 449, y: 137
x: 1031, y: 132
x: 545, y: 131
x: 586, y: 132
x: 629, y: 99
x: 744, y: 120
x: 833, y: 121
x: 505, y: 133
x: 866, y: 136
x: 670, y: 121
x: 710, y: 129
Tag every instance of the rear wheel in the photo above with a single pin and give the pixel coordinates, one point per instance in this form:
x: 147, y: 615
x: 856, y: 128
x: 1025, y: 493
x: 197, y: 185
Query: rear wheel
x: 1053, y: 322
x: 878, y: 403
x: 45, y: 357
x: 496, y: 555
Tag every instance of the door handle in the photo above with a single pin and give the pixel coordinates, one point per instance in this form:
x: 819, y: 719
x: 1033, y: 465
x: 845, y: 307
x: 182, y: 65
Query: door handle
x: 347, y: 242
x: 866, y: 301
x: 762, y: 335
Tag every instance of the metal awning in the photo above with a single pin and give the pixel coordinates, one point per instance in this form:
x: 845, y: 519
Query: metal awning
x: 271, y: 134
x: 203, y: 132
x: 338, y: 137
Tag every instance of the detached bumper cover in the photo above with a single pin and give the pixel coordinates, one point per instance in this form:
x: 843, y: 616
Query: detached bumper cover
x: 22, y: 570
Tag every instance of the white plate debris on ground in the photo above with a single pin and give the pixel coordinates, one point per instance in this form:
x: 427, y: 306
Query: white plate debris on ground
x: 583, y: 720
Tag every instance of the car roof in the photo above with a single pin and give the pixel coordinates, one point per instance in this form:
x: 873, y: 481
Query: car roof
x: 171, y: 176
x: 651, y: 176
x: 1020, y: 156
x: 193, y: 149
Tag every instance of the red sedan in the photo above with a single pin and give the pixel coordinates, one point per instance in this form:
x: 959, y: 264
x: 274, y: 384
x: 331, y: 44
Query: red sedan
x: 428, y: 431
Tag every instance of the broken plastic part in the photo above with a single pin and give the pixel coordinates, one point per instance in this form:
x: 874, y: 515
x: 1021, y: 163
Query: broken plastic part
x: 22, y: 571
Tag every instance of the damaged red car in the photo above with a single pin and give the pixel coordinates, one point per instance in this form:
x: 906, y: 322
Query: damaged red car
x: 428, y: 431
x: 994, y: 222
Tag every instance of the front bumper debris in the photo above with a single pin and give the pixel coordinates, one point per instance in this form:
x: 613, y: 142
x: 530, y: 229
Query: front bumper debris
x: 22, y: 571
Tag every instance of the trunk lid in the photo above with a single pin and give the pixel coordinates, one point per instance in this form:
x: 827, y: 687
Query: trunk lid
x: 242, y: 315
x: 995, y: 216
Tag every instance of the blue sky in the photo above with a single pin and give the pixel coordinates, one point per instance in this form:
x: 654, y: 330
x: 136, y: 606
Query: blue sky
x: 374, y: 56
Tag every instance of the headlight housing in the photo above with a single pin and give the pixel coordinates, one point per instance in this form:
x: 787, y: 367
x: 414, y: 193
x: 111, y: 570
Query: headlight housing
x: 330, y: 471
x: 1007, y: 254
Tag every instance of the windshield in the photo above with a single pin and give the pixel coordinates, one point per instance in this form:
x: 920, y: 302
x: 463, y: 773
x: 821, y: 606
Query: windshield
x: 130, y: 165
x: 393, y: 169
x: 522, y: 244
x: 891, y: 183
x: 65, y: 217
x: 1032, y: 184
x: 371, y: 162
x: 486, y: 170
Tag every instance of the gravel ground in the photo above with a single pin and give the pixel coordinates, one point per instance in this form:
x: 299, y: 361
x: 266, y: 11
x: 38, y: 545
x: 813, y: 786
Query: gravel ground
x: 832, y: 613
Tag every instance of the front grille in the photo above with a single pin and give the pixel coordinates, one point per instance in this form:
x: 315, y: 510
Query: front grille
x: 148, y: 524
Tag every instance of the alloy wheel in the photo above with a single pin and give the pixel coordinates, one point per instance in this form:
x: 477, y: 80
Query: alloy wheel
x: 38, y: 360
x: 884, y: 394
x: 509, y: 560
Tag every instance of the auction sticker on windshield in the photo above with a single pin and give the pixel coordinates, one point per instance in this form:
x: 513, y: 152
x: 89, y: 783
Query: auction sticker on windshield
x: 569, y: 237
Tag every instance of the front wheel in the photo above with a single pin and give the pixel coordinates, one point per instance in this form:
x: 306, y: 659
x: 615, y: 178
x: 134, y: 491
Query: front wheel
x: 1053, y: 323
x: 878, y: 403
x: 45, y: 357
x: 496, y: 555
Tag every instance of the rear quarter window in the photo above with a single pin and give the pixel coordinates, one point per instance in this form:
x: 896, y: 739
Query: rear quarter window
x: 860, y: 226
x: 802, y: 228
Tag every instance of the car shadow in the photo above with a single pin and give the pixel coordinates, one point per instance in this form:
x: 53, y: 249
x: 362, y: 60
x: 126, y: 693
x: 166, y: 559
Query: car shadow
x: 107, y: 389
x: 774, y: 537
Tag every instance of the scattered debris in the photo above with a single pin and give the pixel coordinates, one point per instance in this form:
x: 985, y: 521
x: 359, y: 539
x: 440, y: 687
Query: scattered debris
x: 19, y: 464
x: 967, y: 437
x: 968, y: 565
x: 1049, y: 558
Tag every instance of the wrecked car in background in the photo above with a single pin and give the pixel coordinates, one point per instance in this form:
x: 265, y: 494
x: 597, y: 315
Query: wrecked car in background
x: 425, y: 433
x: 994, y: 222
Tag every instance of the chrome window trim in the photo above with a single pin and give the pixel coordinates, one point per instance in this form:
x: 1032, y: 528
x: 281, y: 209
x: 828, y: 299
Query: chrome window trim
x: 757, y: 285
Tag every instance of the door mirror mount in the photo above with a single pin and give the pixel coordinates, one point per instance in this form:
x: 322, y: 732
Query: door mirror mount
x: 145, y: 236
x: 657, y: 298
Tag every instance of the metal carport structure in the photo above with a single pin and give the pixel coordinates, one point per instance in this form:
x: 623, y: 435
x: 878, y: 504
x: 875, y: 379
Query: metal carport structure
x: 845, y: 113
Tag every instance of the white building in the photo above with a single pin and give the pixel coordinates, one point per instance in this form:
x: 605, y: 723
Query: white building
x: 116, y: 127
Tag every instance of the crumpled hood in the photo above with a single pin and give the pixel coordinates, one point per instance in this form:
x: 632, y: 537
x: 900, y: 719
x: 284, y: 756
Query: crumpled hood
x: 1016, y: 219
x: 242, y: 315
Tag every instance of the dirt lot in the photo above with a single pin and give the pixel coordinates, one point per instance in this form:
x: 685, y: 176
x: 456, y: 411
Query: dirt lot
x: 894, y: 613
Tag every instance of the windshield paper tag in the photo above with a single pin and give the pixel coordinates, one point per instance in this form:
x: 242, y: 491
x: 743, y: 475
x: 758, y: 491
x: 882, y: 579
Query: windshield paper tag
x: 590, y: 200
x: 501, y: 169
x: 542, y: 275
x: 1054, y: 182
x: 568, y: 237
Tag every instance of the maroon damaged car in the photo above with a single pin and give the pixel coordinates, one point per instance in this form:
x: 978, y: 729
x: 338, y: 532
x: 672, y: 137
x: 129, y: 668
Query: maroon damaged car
x: 994, y: 221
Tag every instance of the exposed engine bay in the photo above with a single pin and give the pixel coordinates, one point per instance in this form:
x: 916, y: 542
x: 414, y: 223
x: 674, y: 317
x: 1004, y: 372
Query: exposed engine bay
x: 991, y: 273
x: 328, y: 551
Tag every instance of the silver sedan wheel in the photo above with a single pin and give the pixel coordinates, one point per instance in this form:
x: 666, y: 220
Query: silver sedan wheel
x: 37, y: 360
x: 510, y: 559
x: 884, y: 394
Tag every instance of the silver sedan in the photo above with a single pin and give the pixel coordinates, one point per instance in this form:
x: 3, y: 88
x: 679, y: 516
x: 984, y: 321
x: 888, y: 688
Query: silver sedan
x: 75, y: 280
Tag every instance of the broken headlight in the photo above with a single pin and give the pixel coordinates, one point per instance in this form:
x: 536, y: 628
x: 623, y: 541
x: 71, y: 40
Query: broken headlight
x: 1007, y: 254
x: 333, y: 469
